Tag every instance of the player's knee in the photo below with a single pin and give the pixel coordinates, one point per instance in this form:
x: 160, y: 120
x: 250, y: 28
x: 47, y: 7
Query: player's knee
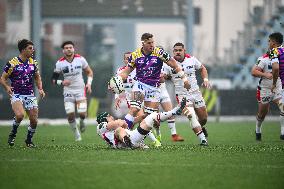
x: 203, y: 121
x: 134, y: 111
x: 71, y: 118
x: 19, y: 117
x: 260, y: 116
x: 69, y: 107
x: 188, y: 111
x: 151, y: 119
x: 143, y: 129
x: 82, y: 107
x: 33, y: 122
x: 82, y: 115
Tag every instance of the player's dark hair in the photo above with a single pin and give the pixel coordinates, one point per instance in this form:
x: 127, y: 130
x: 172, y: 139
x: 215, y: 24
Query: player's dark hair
x: 146, y: 36
x: 179, y: 44
x: 277, y: 37
x: 22, y: 44
x: 67, y: 43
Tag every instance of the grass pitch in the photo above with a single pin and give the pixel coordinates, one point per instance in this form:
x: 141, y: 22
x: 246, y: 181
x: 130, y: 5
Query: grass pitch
x: 233, y: 160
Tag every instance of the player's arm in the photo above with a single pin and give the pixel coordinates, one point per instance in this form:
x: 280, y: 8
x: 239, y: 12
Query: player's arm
x: 257, y: 71
x: 56, y: 81
x: 38, y: 82
x: 204, y: 75
x: 4, y: 83
x: 125, y: 72
x: 275, y: 72
x: 89, y: 73
x: 173, y: 64
x: 116, y: 124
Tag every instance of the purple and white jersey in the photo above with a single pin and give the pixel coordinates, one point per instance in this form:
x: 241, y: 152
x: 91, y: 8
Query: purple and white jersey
x: 21, y: 75
x: 148, y: 67
x: 277, y: 55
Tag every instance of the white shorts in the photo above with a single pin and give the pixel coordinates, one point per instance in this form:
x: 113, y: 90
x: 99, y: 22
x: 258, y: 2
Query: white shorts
x: 29, y: 101
x: 164, y: 96
x: 151, y: 94
x: 194, y: 99
x: 74, y: 96
x: 264, y: 95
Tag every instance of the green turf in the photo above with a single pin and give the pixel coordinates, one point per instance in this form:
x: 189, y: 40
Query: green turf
x: 233, y: 160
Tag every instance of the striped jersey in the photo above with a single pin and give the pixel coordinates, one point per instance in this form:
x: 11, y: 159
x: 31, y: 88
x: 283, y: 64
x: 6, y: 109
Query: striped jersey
x: 21, y: 75
x: 277, y: 55
x: 148, y: 67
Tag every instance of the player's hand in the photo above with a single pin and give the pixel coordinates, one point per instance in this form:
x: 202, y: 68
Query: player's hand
x: 66, y: 82
x: 88, y: 88
x: 117, y: 103
x: 206, y: 84
x: 9, y: 91
x: 41, y: 93
x: 186, y: 85
x: 273, y: 88
x: 268, y: 75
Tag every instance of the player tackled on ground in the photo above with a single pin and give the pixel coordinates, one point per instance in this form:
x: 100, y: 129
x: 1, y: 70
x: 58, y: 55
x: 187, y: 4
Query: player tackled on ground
x: 116, y: 132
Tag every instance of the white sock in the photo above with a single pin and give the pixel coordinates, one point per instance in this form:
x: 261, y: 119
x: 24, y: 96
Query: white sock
x: 172, y: 126
x: 151, y: 136
x: 201, y: 136
x: 282, y: 123
x: 258, y: 125
x: 74, y: 128
x: 136, y: 137
x: 166, y: 115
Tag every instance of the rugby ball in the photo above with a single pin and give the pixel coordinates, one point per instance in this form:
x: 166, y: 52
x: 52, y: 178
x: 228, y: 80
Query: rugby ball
x: 115, y: 85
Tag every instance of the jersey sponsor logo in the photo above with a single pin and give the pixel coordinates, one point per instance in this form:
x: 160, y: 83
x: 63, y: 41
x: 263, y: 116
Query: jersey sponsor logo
x: 65, y: 69
x: 19, y: 68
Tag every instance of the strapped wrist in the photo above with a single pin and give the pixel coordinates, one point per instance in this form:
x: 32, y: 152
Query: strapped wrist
x: 59, y: 82
x: 89, y: 80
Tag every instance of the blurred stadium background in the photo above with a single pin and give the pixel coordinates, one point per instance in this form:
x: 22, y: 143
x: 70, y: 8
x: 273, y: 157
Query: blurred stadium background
x: 226, y: 35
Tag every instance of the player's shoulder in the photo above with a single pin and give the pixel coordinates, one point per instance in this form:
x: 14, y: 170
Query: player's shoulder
x: 121, y: 68
x: 14, y: 61
x: 158, y: 51
x: 78, y: 56
x: 61, y: 59
x: 32, y: 61
x: 264, y: 57
x: 137, y: 53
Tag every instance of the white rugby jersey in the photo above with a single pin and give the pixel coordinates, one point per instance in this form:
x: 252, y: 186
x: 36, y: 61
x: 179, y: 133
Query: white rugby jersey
x: 129, y: 82
x: 72, y: 71
x: 189, y: 66
x: 264, y: 63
